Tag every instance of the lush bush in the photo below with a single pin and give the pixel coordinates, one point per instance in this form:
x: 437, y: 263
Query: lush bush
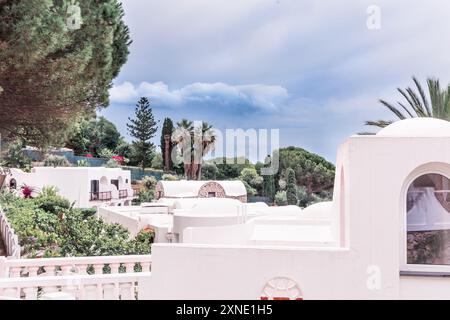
x: 48, y: 226
x: 281, y: 198
x: 149, y: 183
x: 145, y: 196
x: 51, y: 202
x: 14, y: 157
x: 52, y: 160
x: 170, y: 177
x: 83, y: 163
x: 157, y: 161
x: 252, y: 180
x: 112, y: 164
x: 209, y: 171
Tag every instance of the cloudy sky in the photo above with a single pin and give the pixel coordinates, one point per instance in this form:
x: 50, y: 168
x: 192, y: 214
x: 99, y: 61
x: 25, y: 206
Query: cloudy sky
x: 311, y: 68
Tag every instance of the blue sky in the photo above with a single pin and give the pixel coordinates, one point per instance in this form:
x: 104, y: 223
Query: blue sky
x: 311, y: 68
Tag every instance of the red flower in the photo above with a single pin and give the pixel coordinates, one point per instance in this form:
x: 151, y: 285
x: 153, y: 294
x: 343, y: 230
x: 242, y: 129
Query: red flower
x: 89, y: 155
x: 119, y: 159
x: 27, y: 192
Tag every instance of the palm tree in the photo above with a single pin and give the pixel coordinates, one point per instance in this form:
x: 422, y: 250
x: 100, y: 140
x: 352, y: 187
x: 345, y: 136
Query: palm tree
x: 194, y: 142
x: 418, y: 104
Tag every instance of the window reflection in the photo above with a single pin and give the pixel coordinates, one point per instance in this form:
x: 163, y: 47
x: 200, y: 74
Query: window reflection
x: 428, y: 220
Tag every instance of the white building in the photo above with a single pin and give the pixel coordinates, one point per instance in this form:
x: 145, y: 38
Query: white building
x: 390, y: 200
x: 385, y: 235
x: 234, y: 189
x: 85, y: 186
x: 169, y: 218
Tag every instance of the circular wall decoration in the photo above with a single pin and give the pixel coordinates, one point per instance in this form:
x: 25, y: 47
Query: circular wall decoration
x: 281, y: 288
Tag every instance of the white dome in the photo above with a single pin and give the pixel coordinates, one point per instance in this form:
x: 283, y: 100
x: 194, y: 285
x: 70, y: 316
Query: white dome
x: 417, y: 127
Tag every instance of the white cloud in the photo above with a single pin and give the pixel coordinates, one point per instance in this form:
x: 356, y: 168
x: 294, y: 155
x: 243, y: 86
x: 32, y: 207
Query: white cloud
x: 257, y: 96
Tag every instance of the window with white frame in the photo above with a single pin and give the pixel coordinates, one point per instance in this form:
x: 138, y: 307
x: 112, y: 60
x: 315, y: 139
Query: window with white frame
x: 428, y: 220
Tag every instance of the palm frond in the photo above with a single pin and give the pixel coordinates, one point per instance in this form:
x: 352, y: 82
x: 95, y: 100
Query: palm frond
x: 406, y: 109
x: 379, y: 123
x: 422, y: 95
x: 393, y: 109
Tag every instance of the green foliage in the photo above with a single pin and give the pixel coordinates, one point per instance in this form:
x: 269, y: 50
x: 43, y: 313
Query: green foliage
x: 209, y: 171
x: 145, y: 196
x: 157, y: 161
x: 51, y: 202
x: 252, y: 180
x: 291, y: 195
x: 112, y: 164
x: 98, y: 137
x: 143, y: 128
x: 281, y: 198
x: 311, y: 171
x: 52, y: 160
x: 269, y: 190
x: 230, y: 168
x: 106, y: 153
x: 417, y: 104
x: 59, y: 74
x: 305, y: 199
x: 170, y: 177
x: 149, y: 183
x: 250, y: 190
x: 83, y: 163
x: 15, y: 157
x: 48, y: 226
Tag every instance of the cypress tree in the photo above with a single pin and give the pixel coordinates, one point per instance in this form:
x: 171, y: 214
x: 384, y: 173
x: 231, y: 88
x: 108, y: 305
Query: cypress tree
x: 291, y: 194
x: 167, y: 130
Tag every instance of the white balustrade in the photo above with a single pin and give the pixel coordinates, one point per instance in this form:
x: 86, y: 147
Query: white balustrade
x: 10, y: 239
x: 123, y: 286
x: 69, y: 266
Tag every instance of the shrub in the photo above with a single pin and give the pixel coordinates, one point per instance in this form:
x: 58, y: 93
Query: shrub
x: 112, y: 164
x: 145, y: 196
x: 15, y: 157
x: 281, y: 198
x: 83, y: 163
x: 209, y: 171
x: 52, y: 203
x: 52, y: 160
x: 70, y: 232
x: 105, y: 153
x: 149, y: 182
x: 157, y: 162
x: 170, y: 177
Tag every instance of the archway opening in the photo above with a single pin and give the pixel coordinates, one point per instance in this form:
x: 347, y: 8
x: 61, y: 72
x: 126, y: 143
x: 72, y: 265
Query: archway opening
x: 428, y: 220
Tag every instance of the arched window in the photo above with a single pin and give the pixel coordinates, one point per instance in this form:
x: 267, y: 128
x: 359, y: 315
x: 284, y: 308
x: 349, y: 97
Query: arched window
x: 428, y: 220
x: 13, y: 184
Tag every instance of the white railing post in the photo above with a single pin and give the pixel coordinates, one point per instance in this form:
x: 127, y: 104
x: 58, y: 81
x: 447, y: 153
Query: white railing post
x: 10, y: 239
x: 3, y: 267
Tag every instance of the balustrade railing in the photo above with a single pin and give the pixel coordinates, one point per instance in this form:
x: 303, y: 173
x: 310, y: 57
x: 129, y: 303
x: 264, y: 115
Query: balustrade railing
x: 16, y: 268
x: 100, y: 196
x: 82, y: 287
x: 9, y: 238
x: 123, y: 194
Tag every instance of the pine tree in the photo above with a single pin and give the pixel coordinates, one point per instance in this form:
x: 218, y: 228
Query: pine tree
x: 291, y: 194
x: 143, y: 128
x: 167, y: 131
x: 52, y: 74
